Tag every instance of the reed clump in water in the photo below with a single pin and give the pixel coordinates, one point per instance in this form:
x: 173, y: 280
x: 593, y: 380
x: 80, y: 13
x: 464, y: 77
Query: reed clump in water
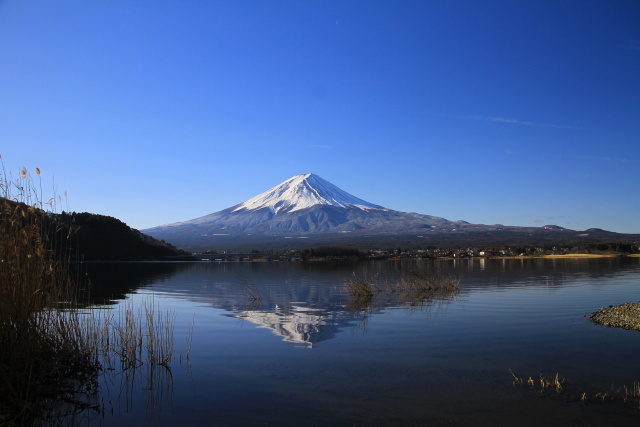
x: 545, y: 383
x: 416, y: 286
x: 630, y: 395
x: 361, y: 289
x: 362, y: 286
x: 413, y: 287
x: 554, y: 383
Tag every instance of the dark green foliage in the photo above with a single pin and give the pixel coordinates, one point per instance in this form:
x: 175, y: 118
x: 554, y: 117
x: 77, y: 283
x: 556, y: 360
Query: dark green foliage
x: 94, y: 237
x: 331, y: 251
x: 44, y: 365
x: 101, y: 237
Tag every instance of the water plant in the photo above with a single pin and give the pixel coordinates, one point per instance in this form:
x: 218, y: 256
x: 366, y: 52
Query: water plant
x: 251, y: 290
x: 545, y: 383
x: 361, y: 286
x: 555, y: 383
x: 361, y: 290
x: 416, y: 286
x: 413, y: 288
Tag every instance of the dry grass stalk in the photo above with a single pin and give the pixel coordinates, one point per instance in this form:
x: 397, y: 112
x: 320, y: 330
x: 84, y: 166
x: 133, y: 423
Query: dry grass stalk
x: 190, y: 337
x: 627, y: 394
x: 251, y: 290
x: 361, y: 286
x: 414, y: 288
x: 553, y: 383
x: 362, y: 291
x: 545, y: 383
x: 516, y: 380
x: 632, y: 394
x: 44, y: 361
x: 52, y: 351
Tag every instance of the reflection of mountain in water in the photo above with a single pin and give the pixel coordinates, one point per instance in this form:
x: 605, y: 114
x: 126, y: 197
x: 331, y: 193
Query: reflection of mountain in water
x: 299, y: 324
x: 306, y: 303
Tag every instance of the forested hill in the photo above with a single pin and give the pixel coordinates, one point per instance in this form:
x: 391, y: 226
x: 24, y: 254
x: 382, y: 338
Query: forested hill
x: 83, y: 236
x: 100, y: 237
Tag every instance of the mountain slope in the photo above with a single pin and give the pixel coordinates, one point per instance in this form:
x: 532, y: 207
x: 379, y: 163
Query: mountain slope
x: 308, y: 207
x: 303, y: 204
x: 301, y: 192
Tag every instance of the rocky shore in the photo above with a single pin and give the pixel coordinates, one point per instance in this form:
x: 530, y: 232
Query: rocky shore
x: 626, y: 316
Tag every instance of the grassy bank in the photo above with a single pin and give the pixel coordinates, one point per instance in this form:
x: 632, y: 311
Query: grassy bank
x: 44, y: 362
x: 51, y: 352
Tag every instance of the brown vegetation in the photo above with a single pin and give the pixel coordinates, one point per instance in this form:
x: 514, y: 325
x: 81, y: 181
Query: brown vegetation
x: 51, y: 352
x: 43, y: 357
x: 554, y: 383
x: 412, y: 288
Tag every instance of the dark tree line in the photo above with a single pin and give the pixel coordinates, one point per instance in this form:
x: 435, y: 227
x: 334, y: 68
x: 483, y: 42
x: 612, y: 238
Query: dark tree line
x: 100, y: 237
x: 330, y: 251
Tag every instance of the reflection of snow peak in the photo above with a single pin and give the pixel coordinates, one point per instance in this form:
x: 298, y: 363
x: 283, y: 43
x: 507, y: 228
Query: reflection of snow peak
x: 301, y: 192
x: 294, y: 323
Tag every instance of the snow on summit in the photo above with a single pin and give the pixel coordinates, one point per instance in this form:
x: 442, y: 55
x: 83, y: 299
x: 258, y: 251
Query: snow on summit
x: 301, y: 192
x: 308, y: 207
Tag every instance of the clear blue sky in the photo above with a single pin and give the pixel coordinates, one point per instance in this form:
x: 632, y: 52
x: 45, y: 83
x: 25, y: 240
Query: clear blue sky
x: 513, y: 112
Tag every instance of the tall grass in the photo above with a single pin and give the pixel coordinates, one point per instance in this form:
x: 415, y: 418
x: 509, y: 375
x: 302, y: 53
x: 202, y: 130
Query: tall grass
x: 413, y: 288
x: 43, y: 358
x: 52, y: 351
x: 416, y: 286
x: 361, y: 290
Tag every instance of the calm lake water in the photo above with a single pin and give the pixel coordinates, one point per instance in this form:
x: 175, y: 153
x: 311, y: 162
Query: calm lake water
x: 305, y: 353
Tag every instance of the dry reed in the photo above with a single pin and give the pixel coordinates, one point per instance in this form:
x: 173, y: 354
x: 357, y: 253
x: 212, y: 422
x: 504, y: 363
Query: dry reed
x: 545, y: 383
x: 43, y: 359
x: 52, y: 351
x: 251, y: 290
x: 361, y: 290
x: 554, y: 383
x: 414, y: 288
x: 362, y: 286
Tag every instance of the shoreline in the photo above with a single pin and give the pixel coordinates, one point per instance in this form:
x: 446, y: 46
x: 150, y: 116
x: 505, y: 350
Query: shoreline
x: 566, y: 256
x: 586, y: 256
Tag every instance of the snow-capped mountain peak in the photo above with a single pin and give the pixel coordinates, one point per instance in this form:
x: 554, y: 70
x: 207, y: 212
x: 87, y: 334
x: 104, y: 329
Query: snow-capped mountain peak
x: 301, y: 192
x: 308, y: 208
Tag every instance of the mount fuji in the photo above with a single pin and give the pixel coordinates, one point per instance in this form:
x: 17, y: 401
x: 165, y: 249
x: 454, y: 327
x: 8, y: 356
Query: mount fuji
x: 306, y: 210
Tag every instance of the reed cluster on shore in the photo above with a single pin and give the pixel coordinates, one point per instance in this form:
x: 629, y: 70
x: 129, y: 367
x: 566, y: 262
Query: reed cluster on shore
x: 52, y: 351
x: 43, y: 358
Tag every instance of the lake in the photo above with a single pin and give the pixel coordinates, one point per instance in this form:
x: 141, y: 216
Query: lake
x: 283, y: 343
